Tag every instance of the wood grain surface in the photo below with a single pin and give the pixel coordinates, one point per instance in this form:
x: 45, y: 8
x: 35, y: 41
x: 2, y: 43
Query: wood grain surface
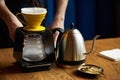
x: 10, y: 71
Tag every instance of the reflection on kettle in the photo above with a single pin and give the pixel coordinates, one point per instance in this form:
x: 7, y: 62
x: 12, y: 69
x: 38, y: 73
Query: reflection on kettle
x: 33, y: 49
x: 71, y: 50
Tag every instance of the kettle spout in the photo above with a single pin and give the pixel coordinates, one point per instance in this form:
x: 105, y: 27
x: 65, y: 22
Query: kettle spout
x: 93, y: 43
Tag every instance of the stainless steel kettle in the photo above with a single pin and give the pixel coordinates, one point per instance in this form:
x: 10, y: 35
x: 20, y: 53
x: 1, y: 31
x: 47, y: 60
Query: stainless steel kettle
x: 71, y: 49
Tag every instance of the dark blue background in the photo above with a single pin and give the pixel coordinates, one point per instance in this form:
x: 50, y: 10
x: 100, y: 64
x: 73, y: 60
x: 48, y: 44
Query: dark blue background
x: 91, y: 17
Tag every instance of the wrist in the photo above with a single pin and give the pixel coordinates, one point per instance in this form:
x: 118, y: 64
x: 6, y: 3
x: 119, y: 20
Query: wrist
x: 12, y: 20
x: 58, y: 22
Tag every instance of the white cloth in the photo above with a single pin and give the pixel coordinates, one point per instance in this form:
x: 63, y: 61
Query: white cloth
x: 113, y: 54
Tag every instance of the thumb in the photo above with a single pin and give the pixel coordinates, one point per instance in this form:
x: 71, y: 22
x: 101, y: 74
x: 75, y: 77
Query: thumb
x: 55, y: 35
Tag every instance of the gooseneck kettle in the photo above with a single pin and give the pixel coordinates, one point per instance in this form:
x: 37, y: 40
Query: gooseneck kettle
x: 71, y: 48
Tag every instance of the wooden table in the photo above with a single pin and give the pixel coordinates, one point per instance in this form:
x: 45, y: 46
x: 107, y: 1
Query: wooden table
x: 10, y: 71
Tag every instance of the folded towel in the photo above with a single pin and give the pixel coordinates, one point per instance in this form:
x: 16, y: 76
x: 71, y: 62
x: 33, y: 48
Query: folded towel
x: 113, y: 54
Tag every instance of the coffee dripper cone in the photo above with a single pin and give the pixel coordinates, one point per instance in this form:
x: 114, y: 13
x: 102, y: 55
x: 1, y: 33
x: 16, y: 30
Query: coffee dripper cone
x: 33, y: 18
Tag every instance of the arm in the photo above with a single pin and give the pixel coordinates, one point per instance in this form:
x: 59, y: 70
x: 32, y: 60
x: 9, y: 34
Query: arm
x: 9, y: 18
x: 59, y: 17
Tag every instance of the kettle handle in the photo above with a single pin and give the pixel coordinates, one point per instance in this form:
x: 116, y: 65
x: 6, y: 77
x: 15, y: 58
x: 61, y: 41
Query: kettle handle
x: 61, y: 31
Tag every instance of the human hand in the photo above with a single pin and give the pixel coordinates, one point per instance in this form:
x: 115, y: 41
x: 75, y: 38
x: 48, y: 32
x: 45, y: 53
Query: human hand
x: 12, y: 26
x: 57, y: 26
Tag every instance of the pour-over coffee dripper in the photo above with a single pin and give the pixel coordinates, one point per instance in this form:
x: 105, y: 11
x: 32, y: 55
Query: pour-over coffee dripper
x: 33, y: 18
x: 42, y: 59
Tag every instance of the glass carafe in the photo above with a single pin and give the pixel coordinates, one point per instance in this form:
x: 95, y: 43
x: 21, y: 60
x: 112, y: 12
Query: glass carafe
x: 33, y: 49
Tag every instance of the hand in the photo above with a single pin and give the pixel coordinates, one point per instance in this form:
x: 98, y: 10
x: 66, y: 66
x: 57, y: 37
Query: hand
x: 12, y: 26
x: 55, y: 25
x: 55, y: 36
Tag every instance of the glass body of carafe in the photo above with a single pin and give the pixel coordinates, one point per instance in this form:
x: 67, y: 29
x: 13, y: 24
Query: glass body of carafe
x: 33, y: 49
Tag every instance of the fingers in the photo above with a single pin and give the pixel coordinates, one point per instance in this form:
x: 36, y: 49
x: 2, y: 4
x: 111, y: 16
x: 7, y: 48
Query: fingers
x: 55, y: 35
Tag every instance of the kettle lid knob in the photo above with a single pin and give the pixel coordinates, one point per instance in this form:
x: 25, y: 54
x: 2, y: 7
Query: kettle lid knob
x: 72, y: 26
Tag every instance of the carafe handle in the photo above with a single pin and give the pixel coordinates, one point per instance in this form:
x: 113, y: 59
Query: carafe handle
x: 17, y: 14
